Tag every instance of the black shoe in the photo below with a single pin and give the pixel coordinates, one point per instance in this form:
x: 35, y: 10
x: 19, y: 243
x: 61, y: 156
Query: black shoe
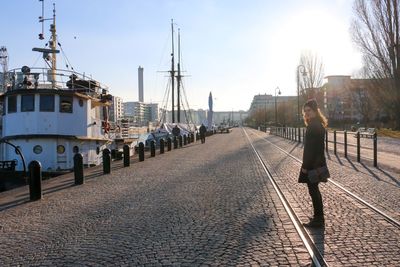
x: 315, y: 223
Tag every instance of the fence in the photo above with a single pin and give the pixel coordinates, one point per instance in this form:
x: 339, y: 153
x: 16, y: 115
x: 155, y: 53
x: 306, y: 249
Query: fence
x: 360, y: 145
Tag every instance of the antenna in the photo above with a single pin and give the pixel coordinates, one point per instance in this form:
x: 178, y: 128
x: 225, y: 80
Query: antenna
x: 41, y: 20
x: 4, y: 64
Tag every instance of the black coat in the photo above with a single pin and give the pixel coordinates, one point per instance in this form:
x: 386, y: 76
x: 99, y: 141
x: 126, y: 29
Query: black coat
x: 313, y: 153
x: 203, y: 130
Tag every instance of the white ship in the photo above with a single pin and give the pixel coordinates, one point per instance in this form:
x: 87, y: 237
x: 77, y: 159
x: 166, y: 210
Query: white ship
x: 50, y: 114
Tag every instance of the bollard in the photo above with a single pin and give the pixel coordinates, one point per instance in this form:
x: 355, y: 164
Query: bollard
x: 197, y: 137
x: 304, y: 134
x: 141, y: 151
x: 375, y: 150
x: 180, y: 140
x: 106, y: 161
x: 293, y: 134
x: 169, y: 143
x: 35, y: 180
x: 326, y: 140
x: 175, y: 142
x: 184, y: 140
x: 334, y: 142
x: 192, y: 137
x: 152, y: 148
x: 358, y: 147
x: 78, y: 169
x: 127, y: 157
x: 162, y: 144
x: 345, y: 143
x: 298, y: 135
x: 188, y: 139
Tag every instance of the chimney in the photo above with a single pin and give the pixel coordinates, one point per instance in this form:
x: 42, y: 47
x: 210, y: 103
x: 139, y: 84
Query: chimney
x: 140, y: 84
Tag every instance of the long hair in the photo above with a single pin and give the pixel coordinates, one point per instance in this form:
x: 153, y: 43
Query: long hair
x: 312, y: 103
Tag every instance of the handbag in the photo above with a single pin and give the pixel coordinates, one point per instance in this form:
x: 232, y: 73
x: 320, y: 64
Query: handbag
x: 320, y: 174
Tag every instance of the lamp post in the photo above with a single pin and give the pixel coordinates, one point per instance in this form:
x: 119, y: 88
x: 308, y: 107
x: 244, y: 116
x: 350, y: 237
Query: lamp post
x: 276, y: 109
x: 304, y: 73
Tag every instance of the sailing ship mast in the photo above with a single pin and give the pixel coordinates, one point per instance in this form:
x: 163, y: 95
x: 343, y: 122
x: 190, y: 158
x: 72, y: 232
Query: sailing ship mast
x: 173, y: 72
x: 179, y: 77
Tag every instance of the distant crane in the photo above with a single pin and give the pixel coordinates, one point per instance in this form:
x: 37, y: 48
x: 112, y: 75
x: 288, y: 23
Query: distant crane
x: 4, y: 65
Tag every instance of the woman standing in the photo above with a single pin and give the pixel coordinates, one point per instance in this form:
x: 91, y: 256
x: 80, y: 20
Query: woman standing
x: 314, y: 158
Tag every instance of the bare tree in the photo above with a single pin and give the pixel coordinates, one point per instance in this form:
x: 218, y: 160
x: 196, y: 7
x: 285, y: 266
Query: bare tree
x: 376, y: 31
x: 311, y: 80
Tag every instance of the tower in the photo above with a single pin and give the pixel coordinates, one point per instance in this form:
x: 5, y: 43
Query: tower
x: 140, y: 83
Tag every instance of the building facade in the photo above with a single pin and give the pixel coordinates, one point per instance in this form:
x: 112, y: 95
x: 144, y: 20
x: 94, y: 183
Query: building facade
x: 350, y: 99
x: 267, y: 102
x: 140, y: 113
x: 116, y: 109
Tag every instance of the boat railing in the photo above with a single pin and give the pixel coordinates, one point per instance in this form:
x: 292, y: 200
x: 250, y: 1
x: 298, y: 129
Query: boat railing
x: 44, y: 78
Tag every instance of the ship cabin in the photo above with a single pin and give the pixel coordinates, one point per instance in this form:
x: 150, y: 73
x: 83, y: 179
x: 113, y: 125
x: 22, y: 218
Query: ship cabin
x: 51, y: 115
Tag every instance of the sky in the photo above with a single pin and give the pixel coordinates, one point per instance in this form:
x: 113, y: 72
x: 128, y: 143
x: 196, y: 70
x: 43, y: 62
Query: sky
x: 234, y: 48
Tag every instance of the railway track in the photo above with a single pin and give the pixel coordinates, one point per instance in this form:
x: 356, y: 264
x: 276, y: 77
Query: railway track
x: 340, y: 187
x: 317, y: 258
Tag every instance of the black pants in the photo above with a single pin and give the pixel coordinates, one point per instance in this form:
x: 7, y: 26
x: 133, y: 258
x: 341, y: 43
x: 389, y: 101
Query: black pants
x: 316, y: 198
x: 203, y: 138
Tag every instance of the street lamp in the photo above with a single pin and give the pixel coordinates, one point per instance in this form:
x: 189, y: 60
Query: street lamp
x: 304, y: 73
x: 276, y: 109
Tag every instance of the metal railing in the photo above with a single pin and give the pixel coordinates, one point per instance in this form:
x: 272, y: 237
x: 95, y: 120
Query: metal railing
x: 42, y: 78
x: 336, y: 139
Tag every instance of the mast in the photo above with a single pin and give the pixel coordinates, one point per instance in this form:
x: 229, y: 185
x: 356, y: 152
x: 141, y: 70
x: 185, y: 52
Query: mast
x: 53, y: 46
x: 173, y: 72
x: 179, y: 77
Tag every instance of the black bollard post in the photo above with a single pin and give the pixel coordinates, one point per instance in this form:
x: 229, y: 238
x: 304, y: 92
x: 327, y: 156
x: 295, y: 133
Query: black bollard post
x: 334, y: 142
x: 189, y: 139
x: 152, y: 148
x: 184, y: 140
x: 293, y: 134
x: 192, y: 137
x: 175, y: 142
x: 127, y: 156
x: 298, y: 135
x: 326, y: 140
x: 35, y: 180
x: 78, y: 169
x: 345, y: 143
x: 162, y: 144
x: 106, y: 161
x: 358, y: 147
x: 169, y: 143
x: 180, y: 141
x: 141, y: 151
x: 375, y: 150
x: 304, y: 134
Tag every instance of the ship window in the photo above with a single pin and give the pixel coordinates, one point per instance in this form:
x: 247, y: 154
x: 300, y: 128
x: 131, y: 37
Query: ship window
x: 27, y: 103
x: 47, y: 103
x: 37, y: 149
x: 66, y: 104
x: 60, y: 149
x: 12, y: 104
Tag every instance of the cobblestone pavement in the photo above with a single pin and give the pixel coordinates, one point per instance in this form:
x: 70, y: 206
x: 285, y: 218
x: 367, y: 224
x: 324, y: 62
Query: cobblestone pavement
x: 354, y: 235
x: 205, y: 204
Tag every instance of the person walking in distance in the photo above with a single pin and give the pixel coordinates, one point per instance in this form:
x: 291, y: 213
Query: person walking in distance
x: 314, y: 169
x: 203, y: 131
